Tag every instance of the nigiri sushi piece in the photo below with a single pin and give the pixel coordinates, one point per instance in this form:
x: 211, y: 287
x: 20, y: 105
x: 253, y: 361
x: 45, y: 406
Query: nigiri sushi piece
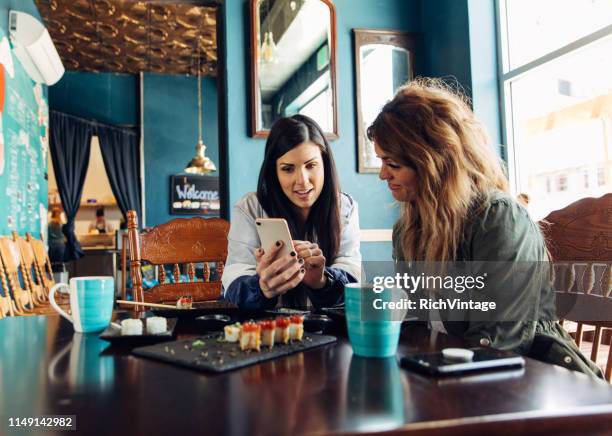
x: 281, y: 332
x: 250, y: 338
x: 131, y: 327
x: 156, y: 325
x: 232, y: 332
x: 268, y: 328
x: 296, y: 327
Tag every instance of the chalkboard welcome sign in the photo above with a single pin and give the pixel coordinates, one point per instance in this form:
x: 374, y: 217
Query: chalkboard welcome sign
x: 194, y: 195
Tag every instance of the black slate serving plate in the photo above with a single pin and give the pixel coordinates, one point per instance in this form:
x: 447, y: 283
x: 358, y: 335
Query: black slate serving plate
x: 113, y: 335
x: 216, y: 355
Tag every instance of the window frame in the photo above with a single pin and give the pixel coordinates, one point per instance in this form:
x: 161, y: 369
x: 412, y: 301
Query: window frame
x: 506, y: 76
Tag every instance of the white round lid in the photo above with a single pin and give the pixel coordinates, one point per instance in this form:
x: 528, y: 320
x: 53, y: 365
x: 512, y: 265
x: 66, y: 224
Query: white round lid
x: 458, y: 354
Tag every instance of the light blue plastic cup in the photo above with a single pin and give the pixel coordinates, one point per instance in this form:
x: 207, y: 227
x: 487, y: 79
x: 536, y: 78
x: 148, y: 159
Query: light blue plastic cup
x: 372, y: 333
x: 91, y: 302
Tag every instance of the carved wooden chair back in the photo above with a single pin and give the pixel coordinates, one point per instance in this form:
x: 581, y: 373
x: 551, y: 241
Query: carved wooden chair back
x: 11, y: 260
x: 7, y: 305
x: 30, y: 269
x: 43, y: 263
x: 181, y: 241
x: 579, y: 239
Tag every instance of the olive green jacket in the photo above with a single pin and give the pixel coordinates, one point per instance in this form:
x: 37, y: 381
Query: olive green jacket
x: 502, y: 231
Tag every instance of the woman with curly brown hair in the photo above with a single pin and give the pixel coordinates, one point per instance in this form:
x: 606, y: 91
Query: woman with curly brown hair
x: 456, y: 207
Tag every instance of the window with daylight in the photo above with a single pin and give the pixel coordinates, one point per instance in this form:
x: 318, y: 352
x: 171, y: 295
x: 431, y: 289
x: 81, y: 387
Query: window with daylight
x: 557, y: 92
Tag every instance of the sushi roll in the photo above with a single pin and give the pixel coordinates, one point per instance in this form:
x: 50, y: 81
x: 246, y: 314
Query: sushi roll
x: 157, y: 324
x: 131, y: 327
x: 267, y: 332
x: 250, y: 338
x: 232, y: 332
x: 281, y: 333
x: 296, y: 327
x: 184, y: 302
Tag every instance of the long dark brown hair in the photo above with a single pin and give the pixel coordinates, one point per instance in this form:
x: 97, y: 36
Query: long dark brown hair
x: 323, y: 222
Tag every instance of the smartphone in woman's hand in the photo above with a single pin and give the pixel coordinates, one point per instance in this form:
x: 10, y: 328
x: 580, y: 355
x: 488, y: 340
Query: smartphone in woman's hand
x: 271, y: 230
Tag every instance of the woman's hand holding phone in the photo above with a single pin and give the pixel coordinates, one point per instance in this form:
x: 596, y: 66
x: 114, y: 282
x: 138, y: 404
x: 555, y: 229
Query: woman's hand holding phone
x: 278, y: 273
x: 314, y: 261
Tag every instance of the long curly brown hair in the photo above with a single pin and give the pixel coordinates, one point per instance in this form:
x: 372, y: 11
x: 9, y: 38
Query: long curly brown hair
x: 430, y: 127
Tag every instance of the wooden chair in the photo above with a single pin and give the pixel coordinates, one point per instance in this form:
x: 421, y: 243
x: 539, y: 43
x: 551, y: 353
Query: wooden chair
x: 124, y: 265
x: 43, y: 263
x: 7, y: 306
x: 579, y: 238
x: 179, y: 241
x: 11, y: 260
x: 30, y: 269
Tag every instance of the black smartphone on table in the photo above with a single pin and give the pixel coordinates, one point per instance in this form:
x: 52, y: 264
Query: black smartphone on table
x: 484, y: 359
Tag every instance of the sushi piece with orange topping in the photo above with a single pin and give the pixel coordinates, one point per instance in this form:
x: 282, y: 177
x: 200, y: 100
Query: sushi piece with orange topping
x: 250, y: 338
x: 184, y: 302
x: 267, y: 332
x: 281, y: 332
x: 296, y: 327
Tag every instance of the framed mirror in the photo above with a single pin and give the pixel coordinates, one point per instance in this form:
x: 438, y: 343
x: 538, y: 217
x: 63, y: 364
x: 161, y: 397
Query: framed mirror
x: 293, y: 63
x: 384, y: 60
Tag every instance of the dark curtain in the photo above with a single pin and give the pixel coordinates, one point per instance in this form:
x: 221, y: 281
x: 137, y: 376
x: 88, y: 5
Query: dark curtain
x: 121, y: 154
x: 70, y: 144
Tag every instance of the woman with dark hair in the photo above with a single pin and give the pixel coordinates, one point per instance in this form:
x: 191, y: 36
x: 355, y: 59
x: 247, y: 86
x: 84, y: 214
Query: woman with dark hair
x: 297, y: 182
x: 455, y: 207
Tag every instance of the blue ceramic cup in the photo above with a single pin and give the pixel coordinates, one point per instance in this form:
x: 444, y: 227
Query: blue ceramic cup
x: 91, y: 302
x: 372, y: 332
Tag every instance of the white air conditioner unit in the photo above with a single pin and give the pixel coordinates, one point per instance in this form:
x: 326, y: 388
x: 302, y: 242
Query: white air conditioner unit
x: 34, y: 48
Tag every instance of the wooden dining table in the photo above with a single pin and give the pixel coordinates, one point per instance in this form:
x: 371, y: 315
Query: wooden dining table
x: 46, y: 370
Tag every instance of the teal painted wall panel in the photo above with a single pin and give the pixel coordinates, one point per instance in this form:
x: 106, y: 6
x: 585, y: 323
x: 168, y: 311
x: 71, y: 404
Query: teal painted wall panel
x: 484, y: 68
x: 106, y: 97
x: 460, y: 42
x: 246, y: 154
x: 171, y: 134
x: 23, y: 143
x: 446, y: 40
x: 376, y: 251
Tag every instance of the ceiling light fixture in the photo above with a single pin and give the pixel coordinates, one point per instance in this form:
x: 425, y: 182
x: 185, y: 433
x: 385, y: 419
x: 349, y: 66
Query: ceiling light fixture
x: 200, y: 164
x: 268, y: 46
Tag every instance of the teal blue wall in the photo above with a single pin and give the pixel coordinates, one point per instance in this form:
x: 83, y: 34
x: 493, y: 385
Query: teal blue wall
x: 245, y: 153
x: 23, y: 148
x: 446, y: 40
x: 170, y: 121
x: 106, y: 97
x: 460, y: 41
x: 484, y: 68
x: 171, y: 134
